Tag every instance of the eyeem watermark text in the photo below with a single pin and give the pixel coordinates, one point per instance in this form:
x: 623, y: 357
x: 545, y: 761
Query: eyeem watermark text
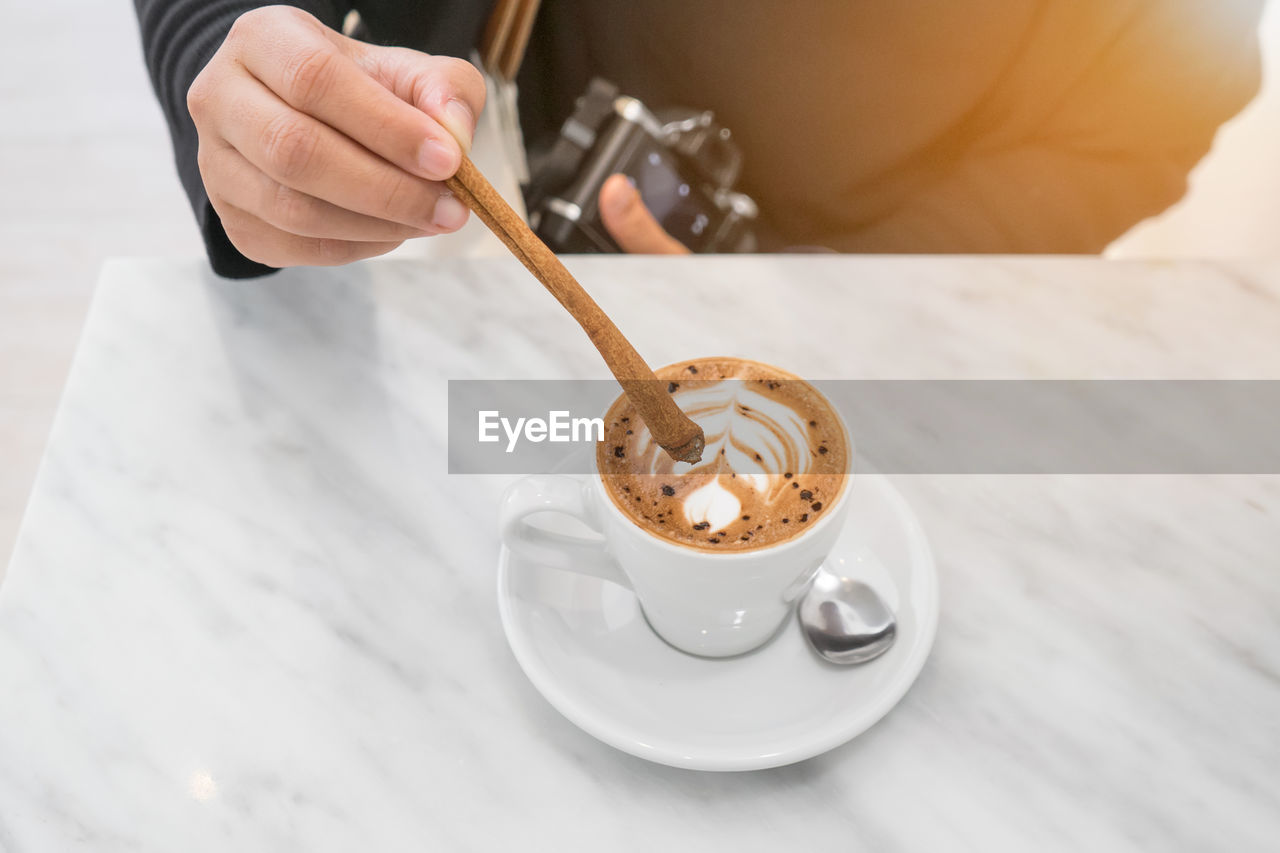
x: 557, y: 427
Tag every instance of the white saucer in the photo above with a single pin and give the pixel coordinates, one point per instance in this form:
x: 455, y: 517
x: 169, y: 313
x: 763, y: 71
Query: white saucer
x: 586, y: 647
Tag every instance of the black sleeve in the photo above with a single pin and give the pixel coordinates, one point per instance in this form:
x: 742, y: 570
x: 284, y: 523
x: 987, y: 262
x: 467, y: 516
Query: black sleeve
x: 178, y: 39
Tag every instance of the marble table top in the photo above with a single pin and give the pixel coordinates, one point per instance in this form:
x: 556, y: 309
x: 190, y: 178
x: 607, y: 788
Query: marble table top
x: 249, y: 610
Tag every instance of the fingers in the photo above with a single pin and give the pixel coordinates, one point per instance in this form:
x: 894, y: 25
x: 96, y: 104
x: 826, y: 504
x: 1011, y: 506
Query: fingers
x: 302, y: 153
x: 631, y: 224
x: 317, y: 149
x: 245, y: 187
x: 266, y: 244
x: 322, y: 74
x: 449, y: 90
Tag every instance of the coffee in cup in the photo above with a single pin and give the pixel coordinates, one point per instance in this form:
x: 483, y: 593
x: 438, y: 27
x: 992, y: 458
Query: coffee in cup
x: 776, y: 457
x: 716, y: 552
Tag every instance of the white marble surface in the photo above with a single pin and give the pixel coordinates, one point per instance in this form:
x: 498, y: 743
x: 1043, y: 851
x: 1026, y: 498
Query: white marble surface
x: 249, y: 611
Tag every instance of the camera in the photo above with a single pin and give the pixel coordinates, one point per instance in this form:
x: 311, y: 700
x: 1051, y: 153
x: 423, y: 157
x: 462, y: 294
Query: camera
x: 682, y: 162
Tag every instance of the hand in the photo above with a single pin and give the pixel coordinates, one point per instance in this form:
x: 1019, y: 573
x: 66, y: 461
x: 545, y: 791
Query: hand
x: 317, y: 149
x: 630, y: 223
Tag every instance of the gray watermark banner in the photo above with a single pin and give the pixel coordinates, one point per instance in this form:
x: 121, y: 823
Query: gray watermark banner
x: 922, y: 426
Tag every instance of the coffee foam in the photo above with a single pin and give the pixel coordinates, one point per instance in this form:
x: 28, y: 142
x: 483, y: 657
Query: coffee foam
x: 775, y: 458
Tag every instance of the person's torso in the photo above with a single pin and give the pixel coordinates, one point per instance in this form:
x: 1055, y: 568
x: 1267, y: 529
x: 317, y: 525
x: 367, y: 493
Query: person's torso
x: 843, y: 108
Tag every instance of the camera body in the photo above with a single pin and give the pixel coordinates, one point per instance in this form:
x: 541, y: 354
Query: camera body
x: 683, y: 164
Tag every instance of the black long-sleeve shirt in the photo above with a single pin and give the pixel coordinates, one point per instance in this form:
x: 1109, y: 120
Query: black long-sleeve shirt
x: 870, y: 126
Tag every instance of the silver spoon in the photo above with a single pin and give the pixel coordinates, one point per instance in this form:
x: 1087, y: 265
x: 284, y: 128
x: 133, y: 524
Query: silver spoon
x: 846, y: 621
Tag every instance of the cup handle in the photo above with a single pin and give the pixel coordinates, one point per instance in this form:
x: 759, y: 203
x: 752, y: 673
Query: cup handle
x: 566, y: 495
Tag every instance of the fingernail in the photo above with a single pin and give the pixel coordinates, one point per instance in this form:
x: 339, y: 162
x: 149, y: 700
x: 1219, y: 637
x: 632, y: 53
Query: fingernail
x: 438, y: 159
x: 622, y: 199
x: 450, y: 214
x: 460, y: 121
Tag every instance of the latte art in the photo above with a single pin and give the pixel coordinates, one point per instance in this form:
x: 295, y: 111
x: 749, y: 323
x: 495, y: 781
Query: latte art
x: 750, y: 436
x: 775, y: 457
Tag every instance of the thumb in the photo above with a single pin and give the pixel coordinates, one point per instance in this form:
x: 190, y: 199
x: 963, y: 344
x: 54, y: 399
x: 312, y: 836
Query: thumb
x: 450, y: 90
x: 631, y: 224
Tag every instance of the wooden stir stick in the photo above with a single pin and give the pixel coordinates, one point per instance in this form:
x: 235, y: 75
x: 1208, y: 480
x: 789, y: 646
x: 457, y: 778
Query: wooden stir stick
x: 671, y: 428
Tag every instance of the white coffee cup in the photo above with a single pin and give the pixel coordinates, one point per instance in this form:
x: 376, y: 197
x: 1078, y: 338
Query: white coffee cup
x: 708, y: 603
